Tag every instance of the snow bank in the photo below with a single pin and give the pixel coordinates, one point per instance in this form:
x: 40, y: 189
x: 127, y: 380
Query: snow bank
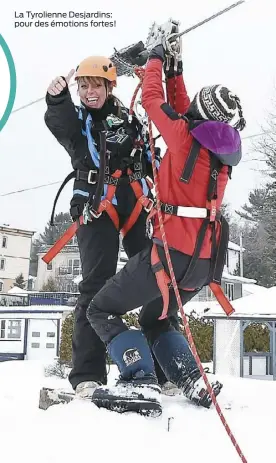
x: 80, y: 432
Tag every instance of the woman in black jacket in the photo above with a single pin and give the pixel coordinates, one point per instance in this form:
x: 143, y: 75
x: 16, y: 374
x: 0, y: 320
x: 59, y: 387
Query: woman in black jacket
x: 79, y: 130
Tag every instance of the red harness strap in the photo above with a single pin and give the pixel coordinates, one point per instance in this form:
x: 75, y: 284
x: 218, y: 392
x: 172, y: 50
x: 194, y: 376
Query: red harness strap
x: 105, y: 205
x: 163, y: 281
x: 142, y: 202
x: 62, y: 241
x: 221, y: 298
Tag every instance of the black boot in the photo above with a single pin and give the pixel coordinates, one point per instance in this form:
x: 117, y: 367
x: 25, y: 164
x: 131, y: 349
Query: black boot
x: 195, y: 389
x: 174, y: 355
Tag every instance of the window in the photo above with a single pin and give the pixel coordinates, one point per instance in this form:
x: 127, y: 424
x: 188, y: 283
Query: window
x: 202, y: 296
x: 36, y: 334
x: 75, y: 288
x: 35, y: 345
x: 227, y: 259
x: 14, y: 329
x: 50, y: 345
x: 51, y: 334
x: 50, y: 266
x: 4, y: 242
x: 74, y: 267
x: 74, y: 241
x: 10, y: 329
x: 2, y: 264
x: 229, y: 291
x: 3, y: 329
x: 1, y: 286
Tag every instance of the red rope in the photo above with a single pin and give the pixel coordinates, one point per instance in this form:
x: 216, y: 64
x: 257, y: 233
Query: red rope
x: 140, y: 74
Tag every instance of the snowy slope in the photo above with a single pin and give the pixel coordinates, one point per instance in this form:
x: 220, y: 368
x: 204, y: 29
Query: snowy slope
x: 79, y: 432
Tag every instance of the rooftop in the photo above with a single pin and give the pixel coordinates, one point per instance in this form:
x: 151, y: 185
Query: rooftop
x: 258, y: 305
x: 7, y: 229
x: 36, y: 309
x: 68, y: 248
x: 234, y: 246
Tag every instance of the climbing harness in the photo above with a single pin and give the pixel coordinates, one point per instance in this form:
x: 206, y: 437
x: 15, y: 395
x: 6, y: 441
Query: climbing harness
x: 164, y: 280
x: 211, y: 217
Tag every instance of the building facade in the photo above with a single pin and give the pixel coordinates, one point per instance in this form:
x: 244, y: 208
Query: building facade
x: 65, y: 269
x: 15, y: 248
x: 31, y: 332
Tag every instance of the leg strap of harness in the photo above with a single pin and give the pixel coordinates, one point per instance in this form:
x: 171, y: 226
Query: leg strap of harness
x: 62, y: 241
x: 142, y: 202
x: 221, y: 298
x: 162, y: 280
x: 105, y: 205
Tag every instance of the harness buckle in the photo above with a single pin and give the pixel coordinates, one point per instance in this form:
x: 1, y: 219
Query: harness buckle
x: 213, y: 210
x: 135, y: 176
x: 86, y: 214
x: 150, y: 205
x: 96, y: 215
x: 113, y: 181
x: 89, y: 178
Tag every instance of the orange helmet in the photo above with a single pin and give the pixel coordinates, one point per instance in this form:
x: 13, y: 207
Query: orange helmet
x: 97, y: 66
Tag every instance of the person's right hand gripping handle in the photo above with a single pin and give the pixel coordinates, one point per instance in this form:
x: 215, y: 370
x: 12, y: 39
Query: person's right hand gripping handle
x: 172, y: 128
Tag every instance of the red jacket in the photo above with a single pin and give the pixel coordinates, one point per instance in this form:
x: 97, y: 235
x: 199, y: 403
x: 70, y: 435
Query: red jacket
x: 181, y: 232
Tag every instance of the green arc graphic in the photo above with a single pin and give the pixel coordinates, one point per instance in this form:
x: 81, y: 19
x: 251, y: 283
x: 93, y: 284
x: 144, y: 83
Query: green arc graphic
x: 12, y: 93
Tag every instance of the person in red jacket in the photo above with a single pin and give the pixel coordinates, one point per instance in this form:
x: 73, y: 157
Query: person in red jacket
x: 203, y: 144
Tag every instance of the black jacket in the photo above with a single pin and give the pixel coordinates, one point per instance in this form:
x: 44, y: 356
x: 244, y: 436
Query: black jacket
x: 68, y: 127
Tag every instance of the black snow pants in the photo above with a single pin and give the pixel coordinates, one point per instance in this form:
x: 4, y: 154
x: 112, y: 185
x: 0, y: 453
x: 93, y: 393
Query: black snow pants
x: 99, y: 246
x: 135, y: 286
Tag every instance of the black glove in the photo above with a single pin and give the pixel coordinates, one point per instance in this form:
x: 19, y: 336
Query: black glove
x: 138, y: 54
x: 157, y: 52
x: 135, y: 54
x: 171, y: 72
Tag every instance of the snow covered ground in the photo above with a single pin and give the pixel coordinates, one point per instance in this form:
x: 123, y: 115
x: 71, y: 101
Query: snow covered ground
x: 80, y: 432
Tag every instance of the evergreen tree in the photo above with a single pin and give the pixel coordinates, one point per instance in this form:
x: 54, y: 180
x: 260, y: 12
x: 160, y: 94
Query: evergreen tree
x: 260, y: 212
x: 66, y: 338
x: 50, y: 286
x: 50, y: 235
x: 19, y: 281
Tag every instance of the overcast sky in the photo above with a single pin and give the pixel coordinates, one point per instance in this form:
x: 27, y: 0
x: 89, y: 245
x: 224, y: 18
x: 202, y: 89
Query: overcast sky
x: 237, y: 50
